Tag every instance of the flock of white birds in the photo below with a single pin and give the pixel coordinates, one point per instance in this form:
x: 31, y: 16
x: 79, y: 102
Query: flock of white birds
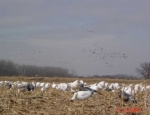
x: 80, y: 89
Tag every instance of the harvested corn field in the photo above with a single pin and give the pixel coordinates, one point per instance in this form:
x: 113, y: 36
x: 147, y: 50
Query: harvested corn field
x: 57, y: 102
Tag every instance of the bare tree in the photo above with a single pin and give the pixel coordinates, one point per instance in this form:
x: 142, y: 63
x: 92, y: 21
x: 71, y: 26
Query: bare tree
x: 144, y: 70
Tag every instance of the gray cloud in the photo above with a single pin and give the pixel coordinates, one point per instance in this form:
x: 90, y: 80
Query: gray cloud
x: 56, y: 33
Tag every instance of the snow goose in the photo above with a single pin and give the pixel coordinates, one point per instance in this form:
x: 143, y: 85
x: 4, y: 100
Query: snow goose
x: 82, y: 95
x: 74, y: 86
x: 47, y: 85
x: 94, y: 87
x: 54, y: 85
x: 101, y: 85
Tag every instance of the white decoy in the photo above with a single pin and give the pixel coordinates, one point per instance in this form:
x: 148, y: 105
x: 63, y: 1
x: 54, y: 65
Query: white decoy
x: 142, y: 89
x: 82, y: 82
x: 82, y: 95
x: 106, y: 85
x: 74, y: 85
x: 37, y: 84
x: 54, y: 85
x: 42, y: 84
x: 94, y: 87
x: 129, y: 90
x: 116, y: 86
x: 138, y: 87
x: 1, y: 83
x: 111, y: 86
x: 123, y: 88
x: 24, y: 83
x: 47, y: 85
x: 148, y: 87
x: 62, y: 86
x: 101, y: 85
x: 33, y: 84
x: 43, y: 88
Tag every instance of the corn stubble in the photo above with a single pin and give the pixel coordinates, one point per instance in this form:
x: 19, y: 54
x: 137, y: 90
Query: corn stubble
x: 55, y: 102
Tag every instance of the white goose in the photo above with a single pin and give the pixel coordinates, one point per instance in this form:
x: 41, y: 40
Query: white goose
x: 101, y: 84
x: 74, y: 86
x: 94, y: 87
x: 54, y: 85
x: 82, y: 95
x: 129, y: 90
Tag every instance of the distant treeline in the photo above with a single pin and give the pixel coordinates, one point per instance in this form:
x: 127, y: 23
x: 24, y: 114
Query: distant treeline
x: 118, y: 76
x: 9, y: 68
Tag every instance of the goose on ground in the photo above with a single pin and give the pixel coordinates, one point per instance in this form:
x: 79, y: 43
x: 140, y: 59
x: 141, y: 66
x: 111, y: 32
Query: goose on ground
x: 82, y: 88
x: 8, y: 85
x: 30, y: 87
x: 126, y: 97
x: 81, y: 95
x: 74, y: 86
x: 22, y: 88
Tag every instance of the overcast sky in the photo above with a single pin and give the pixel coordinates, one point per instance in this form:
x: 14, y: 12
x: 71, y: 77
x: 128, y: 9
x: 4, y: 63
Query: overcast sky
x: 91, y: 37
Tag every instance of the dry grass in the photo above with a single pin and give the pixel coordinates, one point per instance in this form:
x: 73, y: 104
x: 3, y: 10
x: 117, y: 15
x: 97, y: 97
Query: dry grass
x: 66, y: 80
x: 54, y: 102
